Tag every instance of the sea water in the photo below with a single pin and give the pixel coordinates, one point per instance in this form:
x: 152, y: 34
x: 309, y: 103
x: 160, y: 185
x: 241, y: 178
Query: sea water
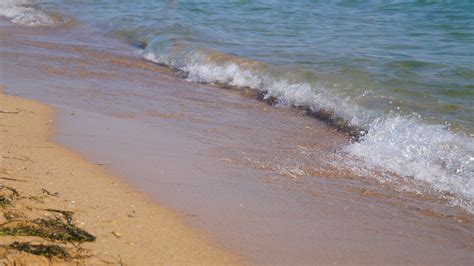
x: 400, y: 72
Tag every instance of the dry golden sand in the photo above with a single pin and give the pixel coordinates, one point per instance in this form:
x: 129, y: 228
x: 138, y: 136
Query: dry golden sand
x: 129, y: 229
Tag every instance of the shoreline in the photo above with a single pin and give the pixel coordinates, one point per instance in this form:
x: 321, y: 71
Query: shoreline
x: 228, y: 164
x: 128, y: 227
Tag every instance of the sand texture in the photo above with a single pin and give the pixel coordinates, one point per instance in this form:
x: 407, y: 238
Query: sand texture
x: 55, y: 203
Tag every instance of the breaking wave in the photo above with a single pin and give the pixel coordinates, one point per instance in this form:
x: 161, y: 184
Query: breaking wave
x: 391, y: 143
x: 25, y: 12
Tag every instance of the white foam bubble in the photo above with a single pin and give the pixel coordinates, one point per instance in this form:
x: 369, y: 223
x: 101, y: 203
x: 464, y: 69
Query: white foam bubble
x: 21, y: 12
x: 300, y: 94
x: 394, y: 145
x: 407, y: 147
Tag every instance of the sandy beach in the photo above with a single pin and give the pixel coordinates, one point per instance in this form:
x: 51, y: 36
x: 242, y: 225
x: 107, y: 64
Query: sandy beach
x: 42, y: 181
x: 159, y: 170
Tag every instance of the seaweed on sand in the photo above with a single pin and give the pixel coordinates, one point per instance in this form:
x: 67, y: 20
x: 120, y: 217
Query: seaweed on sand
x: 68, y: 215
x: 11, y: 215
x: 13, y: 192
x: 56, y: 228
x: 4, y: 201
x: 53, y: 229
x: 7, y: 195
x: 48, y: 251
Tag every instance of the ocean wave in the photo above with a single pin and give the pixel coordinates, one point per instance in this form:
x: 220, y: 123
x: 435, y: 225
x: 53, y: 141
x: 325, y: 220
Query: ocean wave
x: 23, y: 12
x: 407, y: 147
x: 394, y: 145
x: 286, y: 87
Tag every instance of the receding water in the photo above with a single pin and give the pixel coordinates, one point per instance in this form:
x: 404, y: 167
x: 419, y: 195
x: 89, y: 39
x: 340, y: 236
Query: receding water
x: 401, y: 70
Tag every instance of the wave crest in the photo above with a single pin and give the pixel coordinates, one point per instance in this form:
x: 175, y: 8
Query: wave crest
x: 407, y: 147
x: 392, y: 144
x: 24, y: 13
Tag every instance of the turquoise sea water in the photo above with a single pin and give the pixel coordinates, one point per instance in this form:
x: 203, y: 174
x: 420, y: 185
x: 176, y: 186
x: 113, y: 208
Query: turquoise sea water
x: 409, y: 56
x: 403, y: 71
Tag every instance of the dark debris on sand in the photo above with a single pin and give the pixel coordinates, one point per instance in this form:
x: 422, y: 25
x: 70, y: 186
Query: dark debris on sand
x: 57, y: 230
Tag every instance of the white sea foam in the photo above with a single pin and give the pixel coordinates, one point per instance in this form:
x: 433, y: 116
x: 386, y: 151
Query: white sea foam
x: 299, y: 94
x: 407, y: 147
x: 23, y: 13
x: 393, y: 146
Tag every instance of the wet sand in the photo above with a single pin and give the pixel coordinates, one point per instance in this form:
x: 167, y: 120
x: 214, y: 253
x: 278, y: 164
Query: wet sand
x: 48, y: 179
x: 266, y: 183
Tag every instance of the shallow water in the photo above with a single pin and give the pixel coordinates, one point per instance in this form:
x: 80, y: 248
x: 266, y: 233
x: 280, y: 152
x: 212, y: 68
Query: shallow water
x: 416, y: 55
x: 402, y: 72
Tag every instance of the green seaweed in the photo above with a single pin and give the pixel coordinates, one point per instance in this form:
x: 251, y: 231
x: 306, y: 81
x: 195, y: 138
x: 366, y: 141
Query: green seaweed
x: 68, y: 215
x: 4, y: 201
x: 53, y: 229
x: 48, y: 251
